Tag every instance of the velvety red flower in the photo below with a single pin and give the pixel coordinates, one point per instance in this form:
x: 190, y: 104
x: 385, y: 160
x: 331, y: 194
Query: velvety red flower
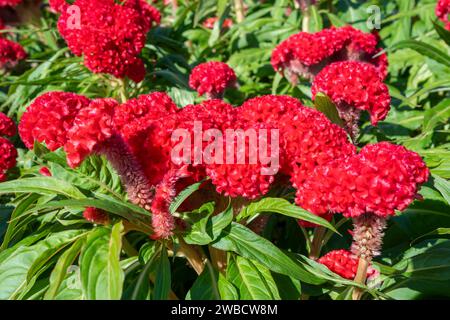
x: 49, y: 117
x: 382, y: 178
x: 95, y: 215
x: 92, y: 126
x: 212, y: 78
x: 345, y: 264
x: 148, y: 107
x: 7, y: 126
x: 12, y: 3
x: 354, y: 86
x: 8, y: 156
x: 443, y: 12
x: 305, y: 54
x: 109, y: 35
x: 209, y: 23
x: 10, y: 53
x: 58, y: 5
x: 45, y: 172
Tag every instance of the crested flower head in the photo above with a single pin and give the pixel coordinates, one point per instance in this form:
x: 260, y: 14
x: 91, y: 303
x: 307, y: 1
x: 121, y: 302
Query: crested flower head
x: 305, y: 54
x: 92, y: 126
x: 345, y: 264
x: 109, y: 35
x: 8, y: 156
x: 10, y: 53
x: 380, y: 179
x: 212, y: 78
x: 49, y: 117
x: 354, y: 86
x: 7, y: 126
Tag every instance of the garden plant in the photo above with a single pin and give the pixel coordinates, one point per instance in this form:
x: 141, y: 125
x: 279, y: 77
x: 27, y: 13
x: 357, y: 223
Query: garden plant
x: 234, y: 150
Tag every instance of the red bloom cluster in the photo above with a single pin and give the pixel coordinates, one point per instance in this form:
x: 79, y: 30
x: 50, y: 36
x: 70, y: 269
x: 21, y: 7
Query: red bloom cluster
x: 209, y: 23
x: 345, y: 264
x: 8, y: 155
x: 12, y: 3
x: 58, y: 5
x: 354, y: 85
x: 10, y: 53
x: 109, y: 35
x: 212, y: 78
x: 92, y: 126
x: 304, y: 54
x: 95, y: 215
x: 443, y: 12
x: 45, y: 172
x: 382, y: 178
x: 49, y: 118
x: 7, y: 126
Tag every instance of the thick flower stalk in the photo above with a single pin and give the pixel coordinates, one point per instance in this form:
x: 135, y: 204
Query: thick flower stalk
x: 89, y: 33
x: 345, y: 264
x: 8, y: 156
x: 212, y: 79
x: 443, y: 12
x: 354, y: 86
x: 305, y: 54
x: 7, y: 126
x: 49, y: 117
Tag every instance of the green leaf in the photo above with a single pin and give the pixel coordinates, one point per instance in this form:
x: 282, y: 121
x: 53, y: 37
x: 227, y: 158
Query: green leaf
x: 41, y: 185
x: 226, y: 289
x: 442, y: 32
x: 438, y: 114
x: 101, y: 274
x: 59, y: 272
x: 205, y: 286
x: 424, y: 49
x: 163, y: 281
x: 248, y: 244
x: 142, y: 284
x: 443, y: 186
x: 284, y: 207
x: 324, y: 104
x: 253, y: 281
x: 183, y: 195
x: 208, y: 229
x: 15, y: 264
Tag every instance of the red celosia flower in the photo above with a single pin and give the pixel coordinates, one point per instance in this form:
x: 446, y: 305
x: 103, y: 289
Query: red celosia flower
x: 109, y: 35
x: 209, y: 23
x: 10, y: 53
x: 8, y: 156
x: 354, y: 86
x: 7, y: 126
x: 92, y: 126
x: 58, y: 5
x: 49, y: 118
x: 12, y: 3
x: 95, y: 215
x: 212, y: 78
x: 251, y: 177
x: 146, y: 107
x: 382, y: 178
x: 45, y: 172
x: 443, y: 12
x: 345, y: 264
x: 305, y: 54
